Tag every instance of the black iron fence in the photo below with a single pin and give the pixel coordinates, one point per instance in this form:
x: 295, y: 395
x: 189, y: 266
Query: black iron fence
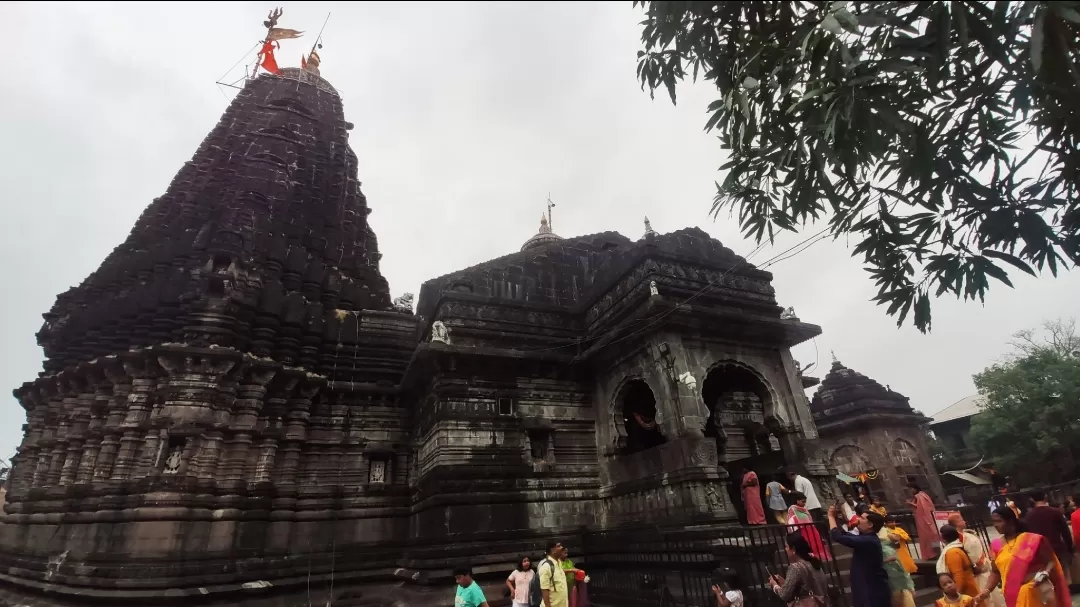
x: 650, y: 566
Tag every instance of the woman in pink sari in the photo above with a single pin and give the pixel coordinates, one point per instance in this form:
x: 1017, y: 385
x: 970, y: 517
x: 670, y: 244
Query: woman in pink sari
x: 751, y: 497
x: 923, y: 507
x: 801, y: 521
x: 1025, y: 565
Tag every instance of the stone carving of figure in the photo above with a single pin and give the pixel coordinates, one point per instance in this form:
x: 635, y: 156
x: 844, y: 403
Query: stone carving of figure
x: 653, y: 291
x: 404, y: 303
x: 172, y: 464
x: 788, y: 314
x: 439, y: 332
x: 688, y: 380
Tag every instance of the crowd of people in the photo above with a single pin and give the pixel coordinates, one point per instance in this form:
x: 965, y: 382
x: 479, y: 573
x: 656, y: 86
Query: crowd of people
x: 553, y: 581
x: 1027, y: 565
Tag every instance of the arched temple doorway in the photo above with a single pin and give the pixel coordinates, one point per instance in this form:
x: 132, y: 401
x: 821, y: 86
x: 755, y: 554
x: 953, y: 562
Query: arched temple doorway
x: 637, y: 406
x: 737, y: 399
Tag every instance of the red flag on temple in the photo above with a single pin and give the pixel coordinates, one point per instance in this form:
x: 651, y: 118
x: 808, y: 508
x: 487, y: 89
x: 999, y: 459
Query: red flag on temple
x: 268, y: 62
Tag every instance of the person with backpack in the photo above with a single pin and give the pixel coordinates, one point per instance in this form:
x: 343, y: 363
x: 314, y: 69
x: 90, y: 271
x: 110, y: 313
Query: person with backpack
x: 551, y: 578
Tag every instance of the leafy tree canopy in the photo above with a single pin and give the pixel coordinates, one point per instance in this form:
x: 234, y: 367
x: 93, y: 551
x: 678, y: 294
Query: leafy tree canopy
x: 1030, y: 426
x: 942, y: 136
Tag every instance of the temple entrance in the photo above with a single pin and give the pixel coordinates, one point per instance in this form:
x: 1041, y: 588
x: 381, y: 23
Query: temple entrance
x: 638, y: 406
x: 736, y: 399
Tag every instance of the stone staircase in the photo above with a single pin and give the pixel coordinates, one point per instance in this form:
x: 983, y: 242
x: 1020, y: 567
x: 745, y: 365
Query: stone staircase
x: 925, y: 579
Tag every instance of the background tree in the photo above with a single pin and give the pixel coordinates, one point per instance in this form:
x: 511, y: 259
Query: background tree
x: 941, y: 135
x: 1030, y: 427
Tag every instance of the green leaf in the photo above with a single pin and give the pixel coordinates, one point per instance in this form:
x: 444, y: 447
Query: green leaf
x: 925, y: 105
x: 1010, y: 259
x: 1037, y: 30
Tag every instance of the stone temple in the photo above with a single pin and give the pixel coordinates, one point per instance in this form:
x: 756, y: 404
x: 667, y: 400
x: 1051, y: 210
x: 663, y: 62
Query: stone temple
x: 234, y: 411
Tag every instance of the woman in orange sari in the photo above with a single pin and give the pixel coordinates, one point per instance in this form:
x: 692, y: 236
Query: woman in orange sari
x: 1025, y: 565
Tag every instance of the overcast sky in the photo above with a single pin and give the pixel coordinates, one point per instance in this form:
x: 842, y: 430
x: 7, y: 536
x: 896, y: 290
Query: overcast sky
x: 466, y: 116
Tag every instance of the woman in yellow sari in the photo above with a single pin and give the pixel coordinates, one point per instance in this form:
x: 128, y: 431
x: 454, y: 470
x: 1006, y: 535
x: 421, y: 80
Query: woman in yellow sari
x: 896, y: 534
x: 1025, y: 565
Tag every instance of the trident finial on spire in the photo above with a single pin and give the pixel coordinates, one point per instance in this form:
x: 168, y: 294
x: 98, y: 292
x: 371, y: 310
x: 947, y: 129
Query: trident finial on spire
x: 550, y: 205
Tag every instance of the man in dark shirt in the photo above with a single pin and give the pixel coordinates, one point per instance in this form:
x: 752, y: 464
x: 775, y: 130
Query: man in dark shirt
x: 1049, y: 522
x: 869, y: 582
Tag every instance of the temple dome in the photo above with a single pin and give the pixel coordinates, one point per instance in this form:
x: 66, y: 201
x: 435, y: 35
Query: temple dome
x: 847, y: 392
x: 543, y: 237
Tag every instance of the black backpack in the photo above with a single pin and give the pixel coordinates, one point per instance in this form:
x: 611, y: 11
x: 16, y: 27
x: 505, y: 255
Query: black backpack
x: 536, y: 596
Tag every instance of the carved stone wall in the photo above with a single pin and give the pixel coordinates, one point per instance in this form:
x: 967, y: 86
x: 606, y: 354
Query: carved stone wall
x: 875, y: 447
x: 514, y: 433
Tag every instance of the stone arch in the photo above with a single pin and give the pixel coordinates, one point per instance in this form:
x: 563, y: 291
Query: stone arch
x: 635, y: 416
x: 851, y: 460
x: 740, y: 406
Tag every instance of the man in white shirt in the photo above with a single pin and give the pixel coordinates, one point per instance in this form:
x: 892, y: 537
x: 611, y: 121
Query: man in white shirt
x: 805, y: 487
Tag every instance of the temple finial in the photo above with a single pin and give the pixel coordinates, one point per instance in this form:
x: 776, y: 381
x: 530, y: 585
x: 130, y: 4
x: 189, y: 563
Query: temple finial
x: 550, y: 205
x: 648, y: 228
x: 834, y: 359
x: 312, y: 61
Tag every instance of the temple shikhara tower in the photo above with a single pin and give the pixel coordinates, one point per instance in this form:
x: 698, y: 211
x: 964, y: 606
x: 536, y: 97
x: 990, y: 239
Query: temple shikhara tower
x: 233, y: 410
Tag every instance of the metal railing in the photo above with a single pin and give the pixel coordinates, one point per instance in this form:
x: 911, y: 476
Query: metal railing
x: 650, y: 566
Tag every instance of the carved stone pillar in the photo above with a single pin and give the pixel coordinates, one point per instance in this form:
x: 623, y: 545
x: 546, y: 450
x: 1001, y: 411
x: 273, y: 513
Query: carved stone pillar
x: 265, y: 463
x: 125, y: 456
x: 299, y: 410
x: 143, y: 384
x: 236, y: 468
x: 71, y: 462
x: 290, y: 464
x: 41, y: 469
x: 106, y: 456
x: 153, y: 444
x: 251, y: 395
x: 88, y: 459
x: 194, y: 384
x: 117, y: 402
x: 56, y: 464
x: 209, y: 454
x: 142, y: 375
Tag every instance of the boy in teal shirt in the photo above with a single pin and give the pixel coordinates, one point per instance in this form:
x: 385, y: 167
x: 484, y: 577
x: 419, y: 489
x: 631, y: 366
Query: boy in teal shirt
x: 468, y: 591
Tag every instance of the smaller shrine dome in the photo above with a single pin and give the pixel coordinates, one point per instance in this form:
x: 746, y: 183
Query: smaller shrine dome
x: 845, y: 391
x: 543, y: 237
